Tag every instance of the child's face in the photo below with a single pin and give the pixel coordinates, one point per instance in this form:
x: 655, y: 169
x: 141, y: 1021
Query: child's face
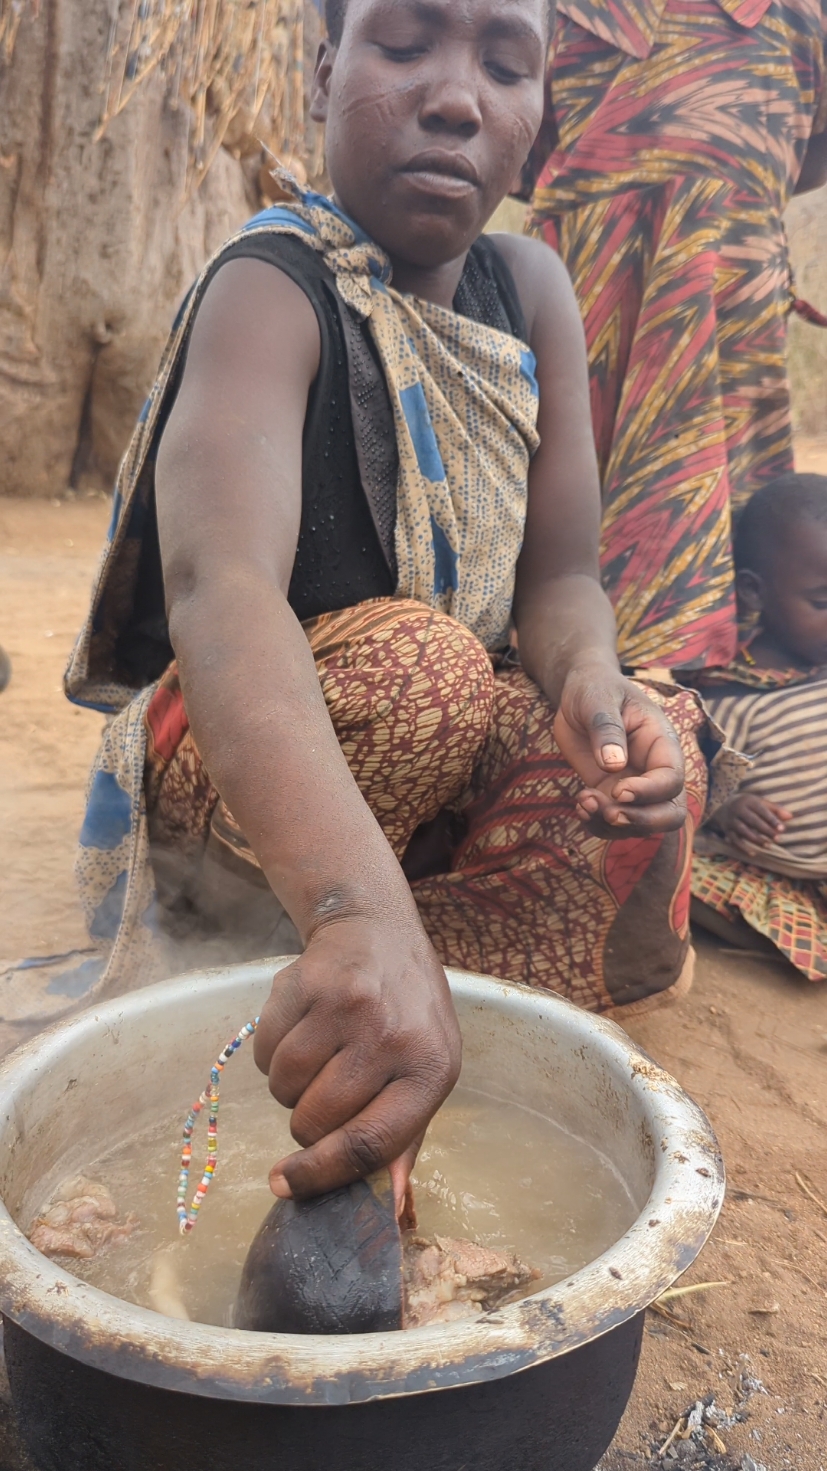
x: 794, y: 592
x: 431, y: 110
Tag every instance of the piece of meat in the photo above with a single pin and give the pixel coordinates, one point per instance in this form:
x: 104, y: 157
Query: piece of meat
x: 165, y: 1293
x: 79, y: 1221
x: 447, y: 1279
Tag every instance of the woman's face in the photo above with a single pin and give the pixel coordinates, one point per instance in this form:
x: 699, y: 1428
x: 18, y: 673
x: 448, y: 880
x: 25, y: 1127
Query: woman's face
x: 431, y: 108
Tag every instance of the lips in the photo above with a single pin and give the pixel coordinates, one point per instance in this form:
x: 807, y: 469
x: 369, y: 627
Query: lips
x: 442, y: 171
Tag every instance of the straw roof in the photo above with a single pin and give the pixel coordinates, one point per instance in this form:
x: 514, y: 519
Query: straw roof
x: 11, y: 14
x: 238, y: 65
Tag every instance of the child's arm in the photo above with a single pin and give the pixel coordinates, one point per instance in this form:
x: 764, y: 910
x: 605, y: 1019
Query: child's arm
x: 750, y: 822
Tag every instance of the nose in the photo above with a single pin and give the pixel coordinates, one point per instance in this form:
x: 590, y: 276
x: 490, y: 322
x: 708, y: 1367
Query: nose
x: 451, y: 104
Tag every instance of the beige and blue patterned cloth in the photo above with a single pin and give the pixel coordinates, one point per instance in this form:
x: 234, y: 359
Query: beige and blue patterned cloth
x: 464, y: 399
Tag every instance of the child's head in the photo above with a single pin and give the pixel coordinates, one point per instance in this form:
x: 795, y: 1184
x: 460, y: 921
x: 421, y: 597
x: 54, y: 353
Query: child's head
x: 431, y: 108
x: 781, y: 563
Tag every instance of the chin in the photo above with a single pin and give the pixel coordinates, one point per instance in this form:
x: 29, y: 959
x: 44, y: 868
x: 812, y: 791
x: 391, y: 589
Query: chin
x: 429, y: 240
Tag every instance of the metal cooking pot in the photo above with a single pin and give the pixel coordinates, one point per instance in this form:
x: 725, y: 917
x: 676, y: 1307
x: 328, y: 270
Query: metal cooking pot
x: 101, y: 1385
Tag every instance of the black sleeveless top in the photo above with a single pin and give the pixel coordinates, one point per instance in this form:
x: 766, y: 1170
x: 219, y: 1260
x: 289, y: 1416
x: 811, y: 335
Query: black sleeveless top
x: 345, y: 551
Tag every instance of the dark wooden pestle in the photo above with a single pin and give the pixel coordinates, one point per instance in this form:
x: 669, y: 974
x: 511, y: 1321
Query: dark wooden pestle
x: 328, y: 1265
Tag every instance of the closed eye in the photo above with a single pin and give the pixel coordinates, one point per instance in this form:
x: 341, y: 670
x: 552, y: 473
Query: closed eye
x: 505, y: 75
x: 402, y: 54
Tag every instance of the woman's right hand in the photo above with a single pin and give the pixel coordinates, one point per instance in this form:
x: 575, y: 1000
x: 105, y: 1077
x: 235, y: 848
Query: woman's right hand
x: 751, y: 822
x: 360, y: 1039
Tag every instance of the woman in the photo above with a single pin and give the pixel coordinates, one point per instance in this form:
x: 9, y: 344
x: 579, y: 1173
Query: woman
x: 683, y: 131
x: 368, y: 450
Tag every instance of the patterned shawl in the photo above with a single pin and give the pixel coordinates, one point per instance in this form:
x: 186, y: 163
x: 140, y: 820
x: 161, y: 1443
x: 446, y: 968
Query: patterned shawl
x: 464, y: 400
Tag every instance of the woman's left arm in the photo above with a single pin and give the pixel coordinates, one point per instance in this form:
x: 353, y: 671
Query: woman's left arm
x: 616, y: 739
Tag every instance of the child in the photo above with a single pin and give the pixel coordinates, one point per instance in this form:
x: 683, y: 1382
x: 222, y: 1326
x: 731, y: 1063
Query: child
x: 762, y: 858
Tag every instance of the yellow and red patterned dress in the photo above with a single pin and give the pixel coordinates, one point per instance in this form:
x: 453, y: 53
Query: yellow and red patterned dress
x: 682, y: 127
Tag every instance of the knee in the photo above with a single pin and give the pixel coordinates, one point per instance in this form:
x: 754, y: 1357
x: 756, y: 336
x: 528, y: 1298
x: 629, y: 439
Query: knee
x: 447, y: 660
x: 400, y: 662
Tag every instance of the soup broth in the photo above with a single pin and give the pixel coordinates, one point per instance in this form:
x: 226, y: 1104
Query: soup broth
x: 489, y: 1171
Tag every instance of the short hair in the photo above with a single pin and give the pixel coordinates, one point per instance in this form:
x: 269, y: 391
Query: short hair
x: 334, y: 14
x: 770, y: 513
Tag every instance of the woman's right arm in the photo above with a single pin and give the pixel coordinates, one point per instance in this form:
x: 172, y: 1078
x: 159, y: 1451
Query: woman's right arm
x: 359, y: 1036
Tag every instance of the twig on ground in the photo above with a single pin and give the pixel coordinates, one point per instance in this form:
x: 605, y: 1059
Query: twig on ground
x: 674, y: 1292
x: 717, y: 1444
x: 802, y: 1185
x: 678, y: 1432
x: 655, y: 1307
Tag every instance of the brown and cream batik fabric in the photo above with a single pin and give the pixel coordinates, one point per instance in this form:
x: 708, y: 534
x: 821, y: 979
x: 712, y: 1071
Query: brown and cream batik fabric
x: 432, y: 730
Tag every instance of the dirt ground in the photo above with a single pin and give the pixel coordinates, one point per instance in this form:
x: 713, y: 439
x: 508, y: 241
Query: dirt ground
x: 749, y: 1043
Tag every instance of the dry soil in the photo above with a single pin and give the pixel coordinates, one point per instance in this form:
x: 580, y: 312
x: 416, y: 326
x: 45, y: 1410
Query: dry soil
x: 749, y: 1043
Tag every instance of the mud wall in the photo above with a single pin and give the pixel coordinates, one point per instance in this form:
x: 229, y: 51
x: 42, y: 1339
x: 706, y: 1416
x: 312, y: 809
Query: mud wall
x: 99, y: 239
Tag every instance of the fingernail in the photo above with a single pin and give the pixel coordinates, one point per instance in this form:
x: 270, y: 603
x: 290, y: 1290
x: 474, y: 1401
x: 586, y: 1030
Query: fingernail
x: 621, y: 820
x: 279, y: 1185
x: 589, y: 804
x: 624, y: 796
x: 613, y: 755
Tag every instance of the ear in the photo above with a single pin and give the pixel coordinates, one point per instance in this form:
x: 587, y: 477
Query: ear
x: 320, y: 94
x: 750, y: 589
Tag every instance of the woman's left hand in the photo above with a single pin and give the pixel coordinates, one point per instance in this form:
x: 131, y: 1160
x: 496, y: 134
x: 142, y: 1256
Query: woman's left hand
x: 626, y: 752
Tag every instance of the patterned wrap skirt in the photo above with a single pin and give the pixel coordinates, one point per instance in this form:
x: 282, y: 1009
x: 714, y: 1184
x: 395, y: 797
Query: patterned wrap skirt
x: 455, y: 755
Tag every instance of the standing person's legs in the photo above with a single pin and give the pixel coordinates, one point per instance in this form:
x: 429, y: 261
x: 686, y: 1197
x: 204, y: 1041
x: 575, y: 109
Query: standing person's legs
x: 647, y: 266
x: 533, y: 896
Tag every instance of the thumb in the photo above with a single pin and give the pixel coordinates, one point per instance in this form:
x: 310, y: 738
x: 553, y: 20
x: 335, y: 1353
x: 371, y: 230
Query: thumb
x: 607, y: 733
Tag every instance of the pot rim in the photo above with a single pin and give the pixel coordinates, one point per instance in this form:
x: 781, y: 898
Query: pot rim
x: 136, y: 1343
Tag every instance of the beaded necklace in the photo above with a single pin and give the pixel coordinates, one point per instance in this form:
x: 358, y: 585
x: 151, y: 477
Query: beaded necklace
x: 209, y: 1099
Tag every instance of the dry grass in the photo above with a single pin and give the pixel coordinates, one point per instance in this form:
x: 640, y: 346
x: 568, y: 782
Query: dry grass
x: 237, y: 65
x: 11, y: 14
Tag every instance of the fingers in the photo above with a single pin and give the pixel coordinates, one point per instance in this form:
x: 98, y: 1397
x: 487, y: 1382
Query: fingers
x: 377, y: 1136
x: 753, y: 822
x: 659, y: 783
x: 755, y: 827
x: 360, y: 1039
x: 282, y: 1011
x: 654, y: 751
x: 339, y: 1091
x: 400, y: 1173
x: 608, y: 819
x: 742, y: 845
x: 650, y: 803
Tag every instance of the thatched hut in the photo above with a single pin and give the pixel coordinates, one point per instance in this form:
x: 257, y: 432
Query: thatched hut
x: 134, y: 136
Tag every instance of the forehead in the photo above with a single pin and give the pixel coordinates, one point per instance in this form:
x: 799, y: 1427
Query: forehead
x: 457, y: 16
x: 802, y: 552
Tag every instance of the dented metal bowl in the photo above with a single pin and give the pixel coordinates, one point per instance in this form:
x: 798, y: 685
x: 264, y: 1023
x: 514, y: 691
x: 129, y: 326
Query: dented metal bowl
x: 102, y: 1385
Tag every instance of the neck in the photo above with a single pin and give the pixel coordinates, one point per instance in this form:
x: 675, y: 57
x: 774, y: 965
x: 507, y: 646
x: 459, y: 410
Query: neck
x: 769, y: 652
x: 432, y: 283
